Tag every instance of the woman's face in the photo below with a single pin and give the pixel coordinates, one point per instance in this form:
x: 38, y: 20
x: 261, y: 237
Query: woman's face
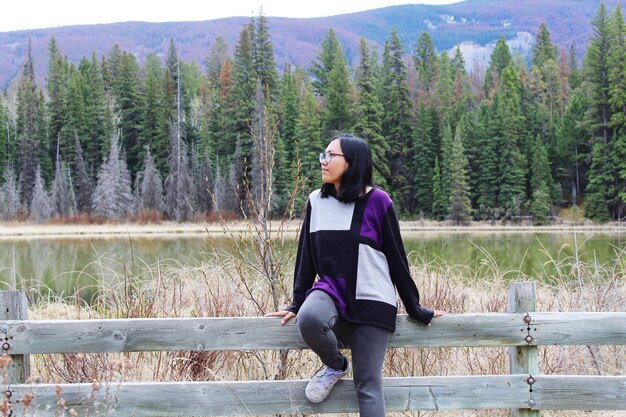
x: 333, y: 170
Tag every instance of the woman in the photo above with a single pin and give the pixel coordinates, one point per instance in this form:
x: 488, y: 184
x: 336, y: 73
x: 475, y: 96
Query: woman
x: 351, y: 239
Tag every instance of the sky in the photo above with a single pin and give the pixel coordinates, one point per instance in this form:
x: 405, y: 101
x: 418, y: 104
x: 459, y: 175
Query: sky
x: 37, y: 14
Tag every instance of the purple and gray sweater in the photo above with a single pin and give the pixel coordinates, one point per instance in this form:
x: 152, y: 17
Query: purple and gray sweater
x: 357, y: 252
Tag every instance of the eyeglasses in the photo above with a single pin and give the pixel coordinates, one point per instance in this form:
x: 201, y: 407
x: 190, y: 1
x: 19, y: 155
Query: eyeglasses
x: 328, y: 156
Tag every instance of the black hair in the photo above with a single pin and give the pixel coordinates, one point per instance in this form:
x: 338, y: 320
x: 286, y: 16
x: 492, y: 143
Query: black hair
x: 358, y: 176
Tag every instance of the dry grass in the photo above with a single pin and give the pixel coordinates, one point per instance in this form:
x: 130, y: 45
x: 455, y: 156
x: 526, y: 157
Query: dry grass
x: 170, y: 289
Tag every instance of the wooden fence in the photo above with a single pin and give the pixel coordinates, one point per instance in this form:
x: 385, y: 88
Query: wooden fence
x: 525, y: 390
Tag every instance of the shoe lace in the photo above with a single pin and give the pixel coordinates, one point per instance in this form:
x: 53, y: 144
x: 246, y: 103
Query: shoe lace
x: 329, y: 375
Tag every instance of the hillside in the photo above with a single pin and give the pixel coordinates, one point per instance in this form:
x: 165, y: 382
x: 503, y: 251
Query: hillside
x: 475, y: 23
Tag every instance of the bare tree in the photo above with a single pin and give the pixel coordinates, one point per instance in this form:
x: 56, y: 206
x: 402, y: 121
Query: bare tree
x: 268, y: 255
x: 41, y: 205
x: 9, y: 195
x: 150, y: 185
x: 62, y: 196
x: 219, y: 189
x: 179, y: 182
x: 203, y: 180
x: 113, y: 197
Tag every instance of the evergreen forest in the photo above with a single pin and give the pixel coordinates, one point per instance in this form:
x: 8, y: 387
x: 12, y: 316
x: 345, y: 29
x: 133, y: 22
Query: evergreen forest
x: 112, y: 138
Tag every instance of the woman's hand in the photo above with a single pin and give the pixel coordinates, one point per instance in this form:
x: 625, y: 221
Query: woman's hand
x: 438, y: 313
x: 286, y: 315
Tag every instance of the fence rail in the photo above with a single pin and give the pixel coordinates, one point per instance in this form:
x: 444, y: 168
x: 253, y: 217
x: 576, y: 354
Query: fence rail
x: 525, y: 390
x: 244, y: 333
x: 287, y: 397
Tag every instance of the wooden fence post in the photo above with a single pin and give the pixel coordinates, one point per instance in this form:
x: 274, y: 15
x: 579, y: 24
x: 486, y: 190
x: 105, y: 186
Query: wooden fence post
x: 524, y: 359
x: 13, y: 306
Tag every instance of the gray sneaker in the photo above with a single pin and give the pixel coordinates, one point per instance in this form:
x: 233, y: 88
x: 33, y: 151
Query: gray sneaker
x: 323, y: 382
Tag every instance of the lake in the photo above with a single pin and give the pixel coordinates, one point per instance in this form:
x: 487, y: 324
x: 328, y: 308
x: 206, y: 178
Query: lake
x: 61, y: 265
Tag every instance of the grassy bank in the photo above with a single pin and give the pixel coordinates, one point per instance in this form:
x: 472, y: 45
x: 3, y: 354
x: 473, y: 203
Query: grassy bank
x: 232, y: 285
x: 18, y: 230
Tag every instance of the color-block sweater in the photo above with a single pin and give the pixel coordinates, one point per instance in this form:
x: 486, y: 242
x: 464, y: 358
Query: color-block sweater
x: 357, y: 252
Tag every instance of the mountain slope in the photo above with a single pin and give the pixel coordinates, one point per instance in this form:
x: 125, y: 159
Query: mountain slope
x: 297, y: 40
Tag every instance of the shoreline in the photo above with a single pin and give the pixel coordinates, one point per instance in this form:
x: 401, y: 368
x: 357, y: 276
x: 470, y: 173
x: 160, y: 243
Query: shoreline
x: 17, y: 230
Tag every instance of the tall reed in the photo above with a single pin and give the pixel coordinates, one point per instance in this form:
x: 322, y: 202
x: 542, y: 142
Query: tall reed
x: 207, y: 289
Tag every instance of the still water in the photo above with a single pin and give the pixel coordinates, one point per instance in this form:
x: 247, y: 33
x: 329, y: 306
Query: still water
x: 60, y: 266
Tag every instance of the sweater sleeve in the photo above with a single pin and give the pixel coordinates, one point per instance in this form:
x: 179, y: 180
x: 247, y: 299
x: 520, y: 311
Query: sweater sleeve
x: 393, y: 248
x: 304, y: 271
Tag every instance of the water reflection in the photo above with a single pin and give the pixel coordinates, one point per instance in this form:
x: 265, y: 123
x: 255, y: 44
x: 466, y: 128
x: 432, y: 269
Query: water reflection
x: 63, y: 266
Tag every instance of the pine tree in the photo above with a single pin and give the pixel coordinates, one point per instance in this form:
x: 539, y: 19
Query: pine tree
x: 617, y: 102
x: 596, y: 72
x: 544, y: 49
x: 460, y: 207
x: 425, y: 60
x: 321, y: 68
x: 447, y: 149
x: 217, y: 136
x: 192, y: 80
x: 600, y: 192
x: 617, y: 71
x: 74, y: 114
x: 128, y: 107
x: 575, y: 78
x: 368, y: 114
x: 540, y: 172
x: 397, y: 123
x: 151, y: 186
x: 263, y: 56
x: 40, y: 206
x: 5, y: 141
x: 290, y: 113
x: 487, y: 175
x: 218, y: 56
x: 443, y: 93
x: 458, y: 62
x: 308, y: 146
x: 62, y: 196
x: 97, y: 127
x: 28, y: 129
x: 540, y: 206
x: 240, y: 106
x: 424, y: 162
x: 113, y: 197
x: 338, y: 95
x: 155, y: 113
x: 513, y: 163
x: 572, y: 148
x: 438, y: 203
x: 500, y: 59
x: 289, y: 138
x: 57, y: 90
x: 83, y: 183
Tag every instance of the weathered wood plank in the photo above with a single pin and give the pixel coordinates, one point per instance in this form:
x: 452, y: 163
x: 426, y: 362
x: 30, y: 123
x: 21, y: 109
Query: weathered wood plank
x: 243, y: 333
x: 524, y: 359
x: 276, y: 397
x: 13, y: 306
x: 153, y: 399
x: 576, y: 392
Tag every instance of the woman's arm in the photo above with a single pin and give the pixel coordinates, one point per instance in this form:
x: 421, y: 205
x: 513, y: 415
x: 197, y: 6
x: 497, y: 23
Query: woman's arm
x: 393, y: 248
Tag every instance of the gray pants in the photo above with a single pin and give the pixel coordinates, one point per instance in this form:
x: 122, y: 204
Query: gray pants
x: 321, y: 326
